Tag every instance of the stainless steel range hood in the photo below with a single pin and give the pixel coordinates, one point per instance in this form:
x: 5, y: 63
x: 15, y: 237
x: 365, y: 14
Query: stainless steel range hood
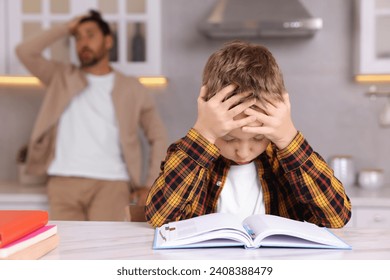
x: 259, y: 18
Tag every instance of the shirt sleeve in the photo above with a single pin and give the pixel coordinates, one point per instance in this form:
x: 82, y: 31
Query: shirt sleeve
x: 30, y: 53
x: 317, y: 190
x: 180, y: 191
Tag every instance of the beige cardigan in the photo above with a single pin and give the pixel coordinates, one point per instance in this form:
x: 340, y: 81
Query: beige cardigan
x: 133, y: 105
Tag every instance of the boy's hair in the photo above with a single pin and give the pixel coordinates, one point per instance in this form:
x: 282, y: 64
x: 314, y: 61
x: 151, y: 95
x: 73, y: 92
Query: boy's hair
x: 250, y: 67
x: 97, y: 18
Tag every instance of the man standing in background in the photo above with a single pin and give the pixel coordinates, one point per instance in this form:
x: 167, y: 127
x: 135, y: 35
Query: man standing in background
x: 86, y: 133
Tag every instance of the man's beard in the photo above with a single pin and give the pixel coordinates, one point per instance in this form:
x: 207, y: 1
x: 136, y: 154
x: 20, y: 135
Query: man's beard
x: 93, y: 59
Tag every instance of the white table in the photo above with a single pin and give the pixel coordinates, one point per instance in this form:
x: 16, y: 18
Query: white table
x: 125, y: 240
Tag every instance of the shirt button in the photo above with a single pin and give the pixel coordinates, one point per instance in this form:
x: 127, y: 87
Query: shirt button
x: 219, y: 183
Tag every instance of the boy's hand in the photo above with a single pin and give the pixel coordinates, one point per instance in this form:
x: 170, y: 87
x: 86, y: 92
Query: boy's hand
x: 277, y: 123
x: 215, y: 116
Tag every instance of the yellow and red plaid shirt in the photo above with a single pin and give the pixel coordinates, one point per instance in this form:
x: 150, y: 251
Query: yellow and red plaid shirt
x: 296, y: 183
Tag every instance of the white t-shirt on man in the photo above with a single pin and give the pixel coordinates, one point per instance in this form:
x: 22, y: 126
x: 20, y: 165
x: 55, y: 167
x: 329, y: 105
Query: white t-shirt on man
x: 88, y: 136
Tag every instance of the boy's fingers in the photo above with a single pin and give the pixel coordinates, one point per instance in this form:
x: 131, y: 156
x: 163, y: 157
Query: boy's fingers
x: 260, y: 116
x: 221, y: 95
x: 286, y: 99
x: 266, y: 106
x: 241, y: 107
x: 237, y: 99
x: 256, y: 129
x: 245, y: 121
x: 203, y: 93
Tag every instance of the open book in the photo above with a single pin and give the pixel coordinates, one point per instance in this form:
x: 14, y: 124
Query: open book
x: 226, y: 230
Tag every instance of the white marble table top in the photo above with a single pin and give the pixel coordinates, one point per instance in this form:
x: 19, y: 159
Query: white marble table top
x: 125, y: 240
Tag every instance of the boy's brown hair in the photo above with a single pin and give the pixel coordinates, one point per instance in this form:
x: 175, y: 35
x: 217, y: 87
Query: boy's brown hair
x: 250, y: 67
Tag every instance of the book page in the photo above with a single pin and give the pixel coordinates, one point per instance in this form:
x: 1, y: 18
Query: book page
x: 296, y: 242
x: 264, y: 226
x: 203, y: 228
x: 230, y: 238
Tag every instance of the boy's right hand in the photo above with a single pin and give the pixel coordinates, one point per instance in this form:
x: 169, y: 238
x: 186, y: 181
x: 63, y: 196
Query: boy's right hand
x: 215, y: 116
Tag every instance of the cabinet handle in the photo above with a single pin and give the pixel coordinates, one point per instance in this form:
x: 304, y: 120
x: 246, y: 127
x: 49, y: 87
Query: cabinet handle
x: 378, y: 218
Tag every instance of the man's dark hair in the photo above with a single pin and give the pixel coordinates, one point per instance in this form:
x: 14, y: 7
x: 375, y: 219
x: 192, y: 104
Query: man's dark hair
x: 96, y: 17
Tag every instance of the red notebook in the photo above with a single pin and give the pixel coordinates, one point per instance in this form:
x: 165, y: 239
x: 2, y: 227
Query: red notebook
x: 15, y: 224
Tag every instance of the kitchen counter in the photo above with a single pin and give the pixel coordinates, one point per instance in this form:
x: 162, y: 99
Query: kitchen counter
x: 15, y: 190
x: 370, y: 207
x: 371, y: 198
x: 14, y: 195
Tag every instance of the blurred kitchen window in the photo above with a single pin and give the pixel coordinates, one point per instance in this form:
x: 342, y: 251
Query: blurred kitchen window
x: 382, y: 36
x: 108, y: 6
x: 135, y: 6
x: 59, y: 6
x: 30, y: 28
x: 60, y: 50
x: 382, y: 4
x: 31, y: 6
x: 136, y: 47
x: 114, y: 52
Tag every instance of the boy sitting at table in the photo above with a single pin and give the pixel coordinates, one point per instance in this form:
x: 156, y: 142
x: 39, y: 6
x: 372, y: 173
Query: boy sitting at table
x: 244, y: 154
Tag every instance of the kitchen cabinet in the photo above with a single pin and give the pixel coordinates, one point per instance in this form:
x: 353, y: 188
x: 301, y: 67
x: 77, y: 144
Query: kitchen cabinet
x: 372, y: 39
x: 135, y: 25
x: 370, y: 208
x: 372, y: 217
x: 15, y: 196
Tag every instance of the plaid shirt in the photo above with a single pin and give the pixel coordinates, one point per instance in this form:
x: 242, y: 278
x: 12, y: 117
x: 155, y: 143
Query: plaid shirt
x: 296, y: 183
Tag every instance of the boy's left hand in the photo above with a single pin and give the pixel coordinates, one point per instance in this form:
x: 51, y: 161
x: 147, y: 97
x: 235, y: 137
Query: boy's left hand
x: 276, y: 119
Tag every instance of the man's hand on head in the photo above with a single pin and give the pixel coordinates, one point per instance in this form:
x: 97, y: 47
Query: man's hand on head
x: 215, y: 116
x: 275, y: 116
x: 72, y: 24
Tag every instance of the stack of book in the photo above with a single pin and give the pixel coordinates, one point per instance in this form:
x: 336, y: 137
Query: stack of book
x: 26, y: 234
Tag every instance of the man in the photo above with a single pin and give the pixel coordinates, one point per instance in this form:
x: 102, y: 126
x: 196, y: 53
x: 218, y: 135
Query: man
x: 86, y: 134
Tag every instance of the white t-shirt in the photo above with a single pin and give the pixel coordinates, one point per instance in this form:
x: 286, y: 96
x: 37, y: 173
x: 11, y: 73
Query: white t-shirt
x: 88, y: 136
x: 242, y: 194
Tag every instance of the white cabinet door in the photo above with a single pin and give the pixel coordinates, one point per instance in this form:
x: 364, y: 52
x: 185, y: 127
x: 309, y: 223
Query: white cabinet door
x: 372, y: 37
x: 373, y: 217
x: 126, y: 17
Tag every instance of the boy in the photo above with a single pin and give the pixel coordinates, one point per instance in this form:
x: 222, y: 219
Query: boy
x: 244, y: 154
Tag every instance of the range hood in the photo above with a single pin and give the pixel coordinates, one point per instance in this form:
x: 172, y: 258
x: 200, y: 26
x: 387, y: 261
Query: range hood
x: 259, y: 18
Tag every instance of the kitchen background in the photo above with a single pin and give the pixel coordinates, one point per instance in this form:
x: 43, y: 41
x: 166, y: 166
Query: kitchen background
x: 328, y: 106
